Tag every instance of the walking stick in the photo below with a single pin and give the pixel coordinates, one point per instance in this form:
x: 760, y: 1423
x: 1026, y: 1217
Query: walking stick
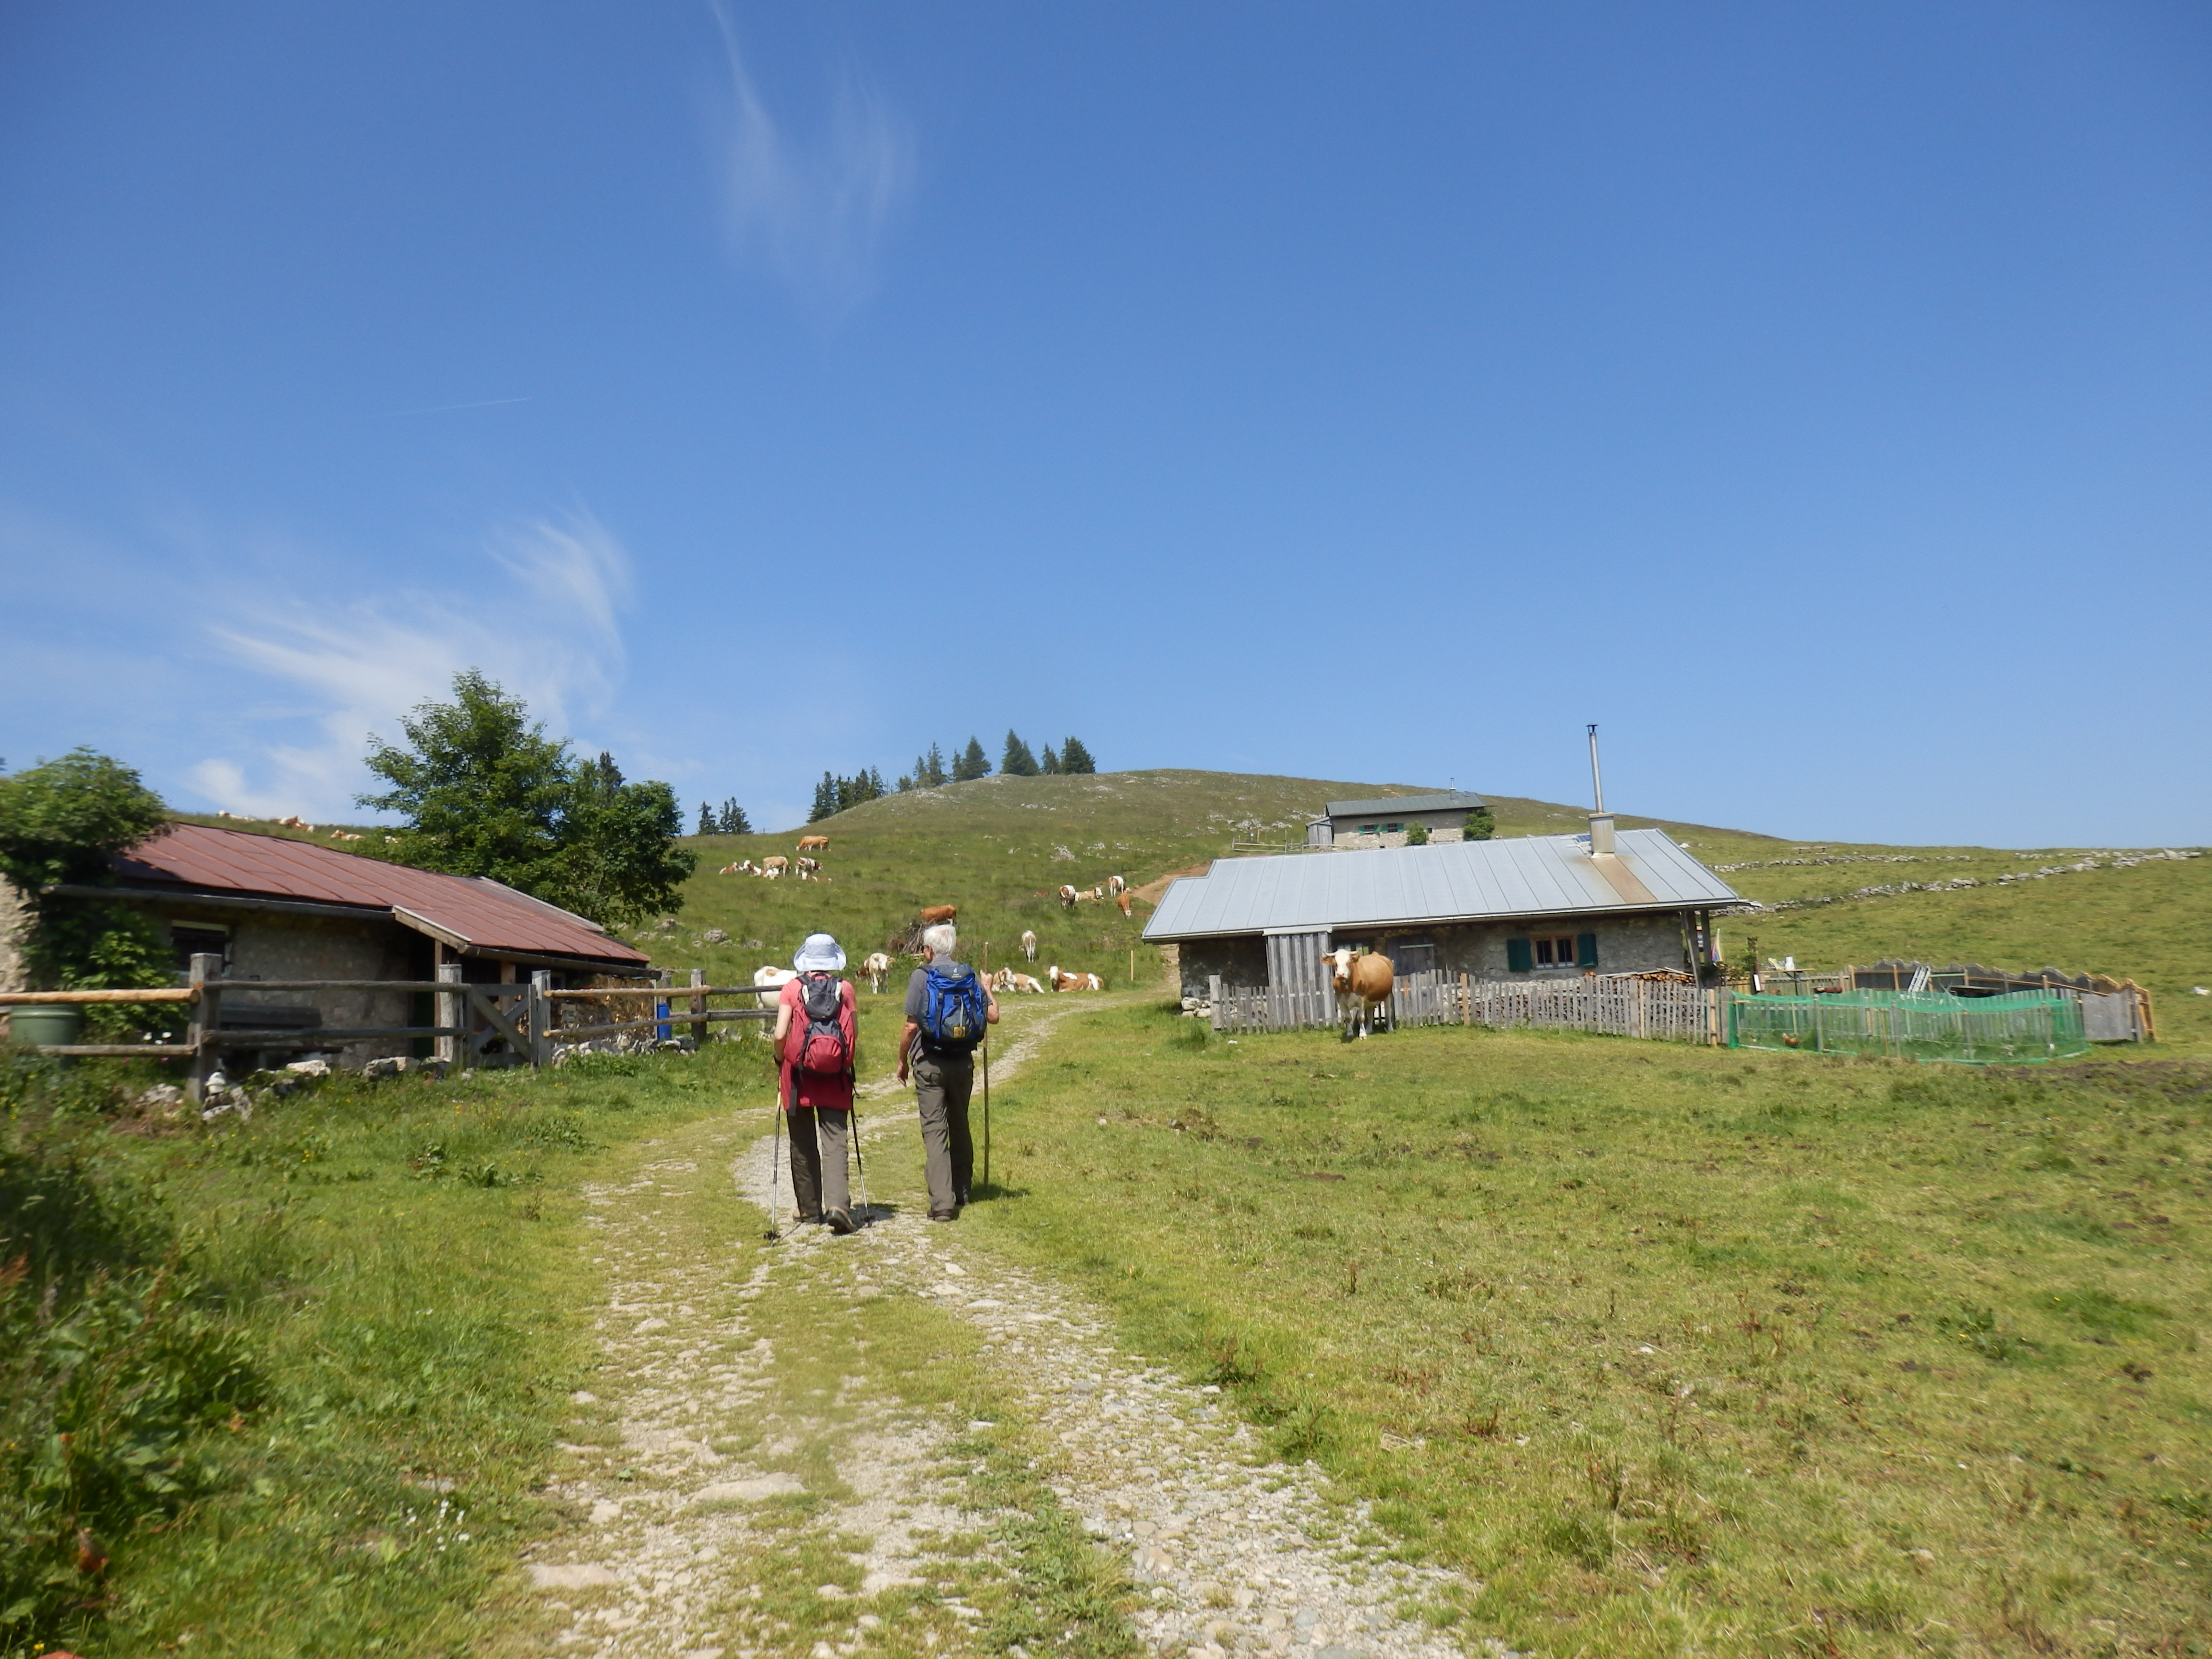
x: 986, y: 1111
x: 774, y: 1146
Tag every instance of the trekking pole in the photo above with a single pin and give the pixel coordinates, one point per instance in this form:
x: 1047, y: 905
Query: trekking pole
x: 774, y: 1146
x: 986, y: 1111
x: 860, y: 1163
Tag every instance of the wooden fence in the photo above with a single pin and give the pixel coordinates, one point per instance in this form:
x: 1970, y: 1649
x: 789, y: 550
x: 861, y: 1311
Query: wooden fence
x: 515, y: 1023
x: 1617, y: 1005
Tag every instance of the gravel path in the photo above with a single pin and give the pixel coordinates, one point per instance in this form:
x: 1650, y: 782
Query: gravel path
x: 1233, y: 1554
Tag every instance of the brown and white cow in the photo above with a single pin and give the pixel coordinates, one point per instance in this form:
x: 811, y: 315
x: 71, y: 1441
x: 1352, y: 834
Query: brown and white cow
x: 1362, y: 981
x: 1061, y: 981
x: 1029, y: 946
x: 1114, y: 884
x: 1122, y: 899
x: 1068, y: 897
x: 1090, y: 895
x: 930, y: 915
x: 810, y: 870
x: 772, y: 976
x: 814, y: 843
x: 774, y: 865
x: 1009, y: 982
x: 877, y: 968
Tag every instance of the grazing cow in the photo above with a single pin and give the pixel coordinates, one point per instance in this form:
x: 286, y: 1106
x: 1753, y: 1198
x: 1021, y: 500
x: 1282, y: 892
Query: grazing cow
x: 1114, y: 884
x: 930, y: 915
x: 1122, y: 899
x: 774, y: 865
x: 1061, y: 981
x: 877, y: 968
x: 1361, y: 979
x: 1029, y: 944
x: 774, y: 978
x: 1010, y: 981
x: 814, y: 843
x: 1068, y: 897
x: 810, y: 866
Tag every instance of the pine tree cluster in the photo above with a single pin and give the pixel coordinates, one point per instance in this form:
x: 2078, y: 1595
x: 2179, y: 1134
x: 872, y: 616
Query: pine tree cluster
x: 730, y: 821
x: 1017, y: 760
x: 835, y: 794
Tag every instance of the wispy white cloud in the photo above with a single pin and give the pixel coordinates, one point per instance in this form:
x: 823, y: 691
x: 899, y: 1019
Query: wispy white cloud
x: 552, y: 635
x: 813, y: 213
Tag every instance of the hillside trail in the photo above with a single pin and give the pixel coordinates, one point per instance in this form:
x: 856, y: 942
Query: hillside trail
x: 693, y: 1474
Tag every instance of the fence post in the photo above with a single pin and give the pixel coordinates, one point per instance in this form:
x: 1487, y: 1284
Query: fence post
x: 453, y: 1010
x: 698, y: 1009
x: 207, y: 1020
x: 541, y: 1017
x: 1213, y: 997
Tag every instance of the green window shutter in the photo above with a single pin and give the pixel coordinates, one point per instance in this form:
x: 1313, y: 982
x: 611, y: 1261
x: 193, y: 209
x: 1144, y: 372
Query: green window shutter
x: 1585, y: 950
x: 1517, y: 955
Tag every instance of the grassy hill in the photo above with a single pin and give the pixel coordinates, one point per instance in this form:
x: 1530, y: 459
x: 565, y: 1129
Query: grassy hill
x: 1001, y: 847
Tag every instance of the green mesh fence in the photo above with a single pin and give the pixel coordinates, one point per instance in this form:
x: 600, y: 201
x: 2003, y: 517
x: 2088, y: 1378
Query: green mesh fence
x: 2022, y: 1027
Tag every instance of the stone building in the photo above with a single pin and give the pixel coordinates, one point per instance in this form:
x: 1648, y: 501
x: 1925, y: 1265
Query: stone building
x: 279, y: 910
x: 1536, y: 906
x: 1385, y: 822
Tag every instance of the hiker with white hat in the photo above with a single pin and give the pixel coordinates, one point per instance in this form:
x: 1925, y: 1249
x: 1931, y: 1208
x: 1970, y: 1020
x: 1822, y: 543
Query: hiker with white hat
x: 948, y: 1010
x: 817, y: 1038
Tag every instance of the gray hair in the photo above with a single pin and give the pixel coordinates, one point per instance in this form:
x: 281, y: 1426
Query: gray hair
x: 941, y: 941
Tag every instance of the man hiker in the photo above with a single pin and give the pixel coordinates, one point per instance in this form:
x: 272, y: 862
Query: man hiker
x: 816, y: 1038
x: 947, y: 1008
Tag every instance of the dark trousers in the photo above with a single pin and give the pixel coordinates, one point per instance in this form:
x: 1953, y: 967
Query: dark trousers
x: 942, y: 1084
x: 818, y: 1159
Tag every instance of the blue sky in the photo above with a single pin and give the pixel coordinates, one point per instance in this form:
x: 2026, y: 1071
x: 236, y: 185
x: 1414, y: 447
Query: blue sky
x: 1818, y: 397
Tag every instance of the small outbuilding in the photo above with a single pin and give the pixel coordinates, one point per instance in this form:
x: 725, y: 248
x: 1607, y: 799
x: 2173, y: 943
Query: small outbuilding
x: 1386, y: 822
x: 1531, y: 907
x: 287, y: 910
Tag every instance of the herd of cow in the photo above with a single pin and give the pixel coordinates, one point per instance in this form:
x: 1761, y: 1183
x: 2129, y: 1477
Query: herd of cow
x: 877, y: 965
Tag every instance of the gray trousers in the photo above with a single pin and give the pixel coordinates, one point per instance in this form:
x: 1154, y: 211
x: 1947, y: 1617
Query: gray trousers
x: 942, y: 1084
x: 818, y: 1159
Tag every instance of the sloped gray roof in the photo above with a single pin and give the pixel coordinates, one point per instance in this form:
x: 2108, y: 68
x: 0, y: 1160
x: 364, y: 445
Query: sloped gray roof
x: 1458, y: 801
x: 1455, y: 881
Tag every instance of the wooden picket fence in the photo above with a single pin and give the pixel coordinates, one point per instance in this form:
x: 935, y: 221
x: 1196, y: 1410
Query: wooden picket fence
x: 1613, y: 1004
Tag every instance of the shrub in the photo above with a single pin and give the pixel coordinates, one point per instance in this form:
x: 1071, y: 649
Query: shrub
x: 60, y: 823
x: 111, y: 1355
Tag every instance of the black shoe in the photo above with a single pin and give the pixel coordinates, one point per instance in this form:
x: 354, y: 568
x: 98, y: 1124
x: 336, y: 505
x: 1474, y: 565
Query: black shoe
x: 944, y: 1215
x: 839, y: 1222
x: 961, y: 1200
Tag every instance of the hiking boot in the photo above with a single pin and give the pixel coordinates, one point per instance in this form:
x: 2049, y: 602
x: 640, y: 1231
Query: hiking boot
x: 943, y: 1215
x: 801, y: 1218
x: 840, y: 1221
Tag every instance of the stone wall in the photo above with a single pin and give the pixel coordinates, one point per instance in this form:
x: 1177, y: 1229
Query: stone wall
x: 1350, y: 841
x: 1625, y: 945
x: 1238, y: 961
x: 273, y: 945
x: 14, y: 917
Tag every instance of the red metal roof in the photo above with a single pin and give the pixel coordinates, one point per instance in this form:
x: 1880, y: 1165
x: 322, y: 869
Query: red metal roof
x: 491, y: 918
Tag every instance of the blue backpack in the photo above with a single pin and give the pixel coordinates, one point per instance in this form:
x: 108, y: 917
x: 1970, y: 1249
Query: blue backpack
x: 952, y: 1011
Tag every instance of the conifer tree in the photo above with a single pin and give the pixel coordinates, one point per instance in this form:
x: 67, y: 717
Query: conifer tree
x: 706, y: 819
x: 734, y: 821
x: 1048, y: 762
x: 1074, y: 757
x: 1017, y: 761
x: 825, y: 800
x: 972, y: 764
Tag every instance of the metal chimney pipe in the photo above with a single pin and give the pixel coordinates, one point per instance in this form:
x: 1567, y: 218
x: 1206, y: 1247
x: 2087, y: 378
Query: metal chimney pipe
x: 1601, y: 821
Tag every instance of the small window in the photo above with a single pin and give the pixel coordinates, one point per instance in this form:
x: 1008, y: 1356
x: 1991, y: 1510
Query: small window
x: 1369, y: 828
x: 1393, y: 829
x: 189, y: 942
x: 1557, y: 951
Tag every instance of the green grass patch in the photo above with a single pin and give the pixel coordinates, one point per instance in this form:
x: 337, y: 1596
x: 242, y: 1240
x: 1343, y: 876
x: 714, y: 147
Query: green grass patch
x: 1674, y: 1349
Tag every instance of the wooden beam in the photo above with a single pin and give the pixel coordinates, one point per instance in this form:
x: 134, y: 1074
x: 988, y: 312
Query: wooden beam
x: 19, y: 999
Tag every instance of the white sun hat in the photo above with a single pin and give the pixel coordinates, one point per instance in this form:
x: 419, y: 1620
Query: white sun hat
x: 821, y: 954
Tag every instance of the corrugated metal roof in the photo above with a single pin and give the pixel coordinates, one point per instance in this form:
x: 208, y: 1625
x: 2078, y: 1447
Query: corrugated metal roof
x: 1457, y: 801
x: 1455, y: 881
x: 492, y: 918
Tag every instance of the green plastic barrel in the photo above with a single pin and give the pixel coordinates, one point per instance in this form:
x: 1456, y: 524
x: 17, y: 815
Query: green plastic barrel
x: 52, y: 1023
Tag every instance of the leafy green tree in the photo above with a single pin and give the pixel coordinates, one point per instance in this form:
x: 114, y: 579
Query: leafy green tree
x: 972, y: 764
x: 1417, y: 834
x: 1048, y: 762
x: 1480, y: 824
x: 60, y: 823
x: 484, y: 792
x: 1017, y: 761
x: 618, y: 861
x: 1074, y: 757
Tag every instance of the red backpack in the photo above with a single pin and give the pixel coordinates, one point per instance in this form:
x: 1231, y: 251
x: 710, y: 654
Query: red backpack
x: 820, y: 1039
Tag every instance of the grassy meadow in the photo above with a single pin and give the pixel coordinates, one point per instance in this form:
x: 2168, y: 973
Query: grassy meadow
x: 1676, y: 1350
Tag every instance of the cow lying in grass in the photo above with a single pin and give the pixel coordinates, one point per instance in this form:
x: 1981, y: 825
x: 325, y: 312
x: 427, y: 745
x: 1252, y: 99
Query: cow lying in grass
x: 1361, y: 979
x: 1061, y: 981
